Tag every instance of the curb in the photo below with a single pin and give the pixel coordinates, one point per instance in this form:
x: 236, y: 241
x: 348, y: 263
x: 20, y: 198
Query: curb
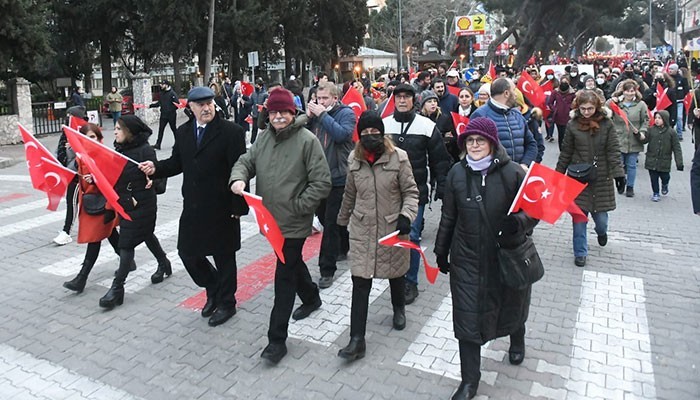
x: 6, y: 162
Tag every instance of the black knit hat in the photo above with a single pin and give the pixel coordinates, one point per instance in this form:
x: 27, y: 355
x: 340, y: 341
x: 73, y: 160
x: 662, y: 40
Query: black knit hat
x: 370, y: 119
x: 404, y: 88
x: 135, y: 125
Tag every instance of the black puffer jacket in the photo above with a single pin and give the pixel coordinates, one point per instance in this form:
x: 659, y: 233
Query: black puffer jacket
x: 132, y: 185
x: 483, y: 309
x: 423, y: 143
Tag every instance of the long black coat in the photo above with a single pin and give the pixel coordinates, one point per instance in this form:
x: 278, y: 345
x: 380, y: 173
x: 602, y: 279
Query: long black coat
x: 483, y: 308
x: 132, y: 184
x: 207, y: 223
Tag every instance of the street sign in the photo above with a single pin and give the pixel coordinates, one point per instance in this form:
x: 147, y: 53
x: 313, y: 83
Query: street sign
x: 470, y: 24
x: 253, y: 59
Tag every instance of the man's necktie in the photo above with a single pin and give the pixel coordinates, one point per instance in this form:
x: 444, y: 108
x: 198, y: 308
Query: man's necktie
x: 200, y: 134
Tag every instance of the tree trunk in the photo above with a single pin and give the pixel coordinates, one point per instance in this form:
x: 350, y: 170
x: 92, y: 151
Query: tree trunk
x: 177, y: 74
x: 106, y: 64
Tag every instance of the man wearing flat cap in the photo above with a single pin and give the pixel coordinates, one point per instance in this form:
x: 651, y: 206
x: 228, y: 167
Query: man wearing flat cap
x: 292, y: 179
x: 168, y: 110
x: 206, y: 148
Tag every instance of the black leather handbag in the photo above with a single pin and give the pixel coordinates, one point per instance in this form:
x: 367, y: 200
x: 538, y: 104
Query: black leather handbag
x: 584, y: 172
x: 94, y: 203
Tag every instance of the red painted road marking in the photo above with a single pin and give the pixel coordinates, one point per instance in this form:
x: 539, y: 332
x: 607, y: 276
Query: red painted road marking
x: 256, y: 276
x: 13, y: 196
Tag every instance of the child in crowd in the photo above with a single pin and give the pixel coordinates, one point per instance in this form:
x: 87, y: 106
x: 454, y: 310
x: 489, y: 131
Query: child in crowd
x: 662, y: 141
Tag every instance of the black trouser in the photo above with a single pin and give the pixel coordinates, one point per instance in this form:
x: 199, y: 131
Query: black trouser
x: 221, y: 282
x: 335, y: 238
x: 126, y: 259
x: 655, y: 176
x: 71, y: 205
x: 360, y: 301
x: 561, y: 130
x: 291, y: 279
x: 254, y: 130
x: 470, y: 361
x: 93, y: 248
x: 166, y: 119
x: 155, y: 248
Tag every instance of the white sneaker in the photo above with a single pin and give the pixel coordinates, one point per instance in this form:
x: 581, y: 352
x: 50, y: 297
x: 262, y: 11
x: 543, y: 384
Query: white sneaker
x: 62, y: 238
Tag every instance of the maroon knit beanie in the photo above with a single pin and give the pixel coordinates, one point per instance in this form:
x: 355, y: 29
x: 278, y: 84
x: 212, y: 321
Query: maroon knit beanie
x: 479, y: 126
x: 281, y: 100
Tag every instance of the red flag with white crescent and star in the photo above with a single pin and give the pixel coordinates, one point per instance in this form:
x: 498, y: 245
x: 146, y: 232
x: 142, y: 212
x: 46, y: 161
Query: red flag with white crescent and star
x: 531, y: 90
x: 247, y: 88
x: 267, y: 224
x: 389, y: 107
x: 616, y: 109
x: 76, y: 123
x: 354, y: 100
x: 688, y: 101
x: 492, y: 70
x: 45, y: 172
x: 460, y: 122
x: 105, y: 165
x: 393, y: 240
x: 545, y: 194
x: 453, y: 90
x: 662, y: 100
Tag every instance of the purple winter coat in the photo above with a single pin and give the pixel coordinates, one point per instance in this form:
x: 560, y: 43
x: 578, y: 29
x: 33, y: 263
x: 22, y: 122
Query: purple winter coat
x: 560, y: 104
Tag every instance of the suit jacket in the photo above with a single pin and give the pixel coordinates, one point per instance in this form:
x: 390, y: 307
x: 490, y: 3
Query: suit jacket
x: 207, y: 223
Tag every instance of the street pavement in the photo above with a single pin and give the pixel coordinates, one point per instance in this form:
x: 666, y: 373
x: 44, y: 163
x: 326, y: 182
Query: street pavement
x: 623, y: 327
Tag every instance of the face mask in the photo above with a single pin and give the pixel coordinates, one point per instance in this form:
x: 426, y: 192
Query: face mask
x: 600, y: 81
x: 629, y: 73
x: 373, y: 143
x: 550, y: 77
x: 573, y: 73
x: 475, y: 76
x: 564, y: 87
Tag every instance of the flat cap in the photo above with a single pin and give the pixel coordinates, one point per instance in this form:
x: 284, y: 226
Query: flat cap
x: 200, y: 93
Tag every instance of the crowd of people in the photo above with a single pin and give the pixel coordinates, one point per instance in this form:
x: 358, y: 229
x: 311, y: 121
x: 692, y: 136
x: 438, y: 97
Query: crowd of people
x: 306, y: 162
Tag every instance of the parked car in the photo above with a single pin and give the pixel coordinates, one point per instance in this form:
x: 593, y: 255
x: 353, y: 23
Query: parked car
x: 128, y: 100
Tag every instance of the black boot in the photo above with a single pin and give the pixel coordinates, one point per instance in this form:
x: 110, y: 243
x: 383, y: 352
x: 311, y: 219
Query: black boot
x: 114, y: 296
x: 164, y: 268
x: 399, y: 318
x: 77, y: 284
x: 516, y: 352
x: 354, y: 350
x: 132, y: 268
x: 465, y: 391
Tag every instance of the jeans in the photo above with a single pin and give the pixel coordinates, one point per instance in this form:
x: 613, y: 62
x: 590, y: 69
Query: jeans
x: 679, y: 119
x: 416, y: 228
x: 335, y: 239
x: 580, y: 240
x: 291, y: 279
x: 655, y: 176
x: 629, y: 162
x: 115, y: 117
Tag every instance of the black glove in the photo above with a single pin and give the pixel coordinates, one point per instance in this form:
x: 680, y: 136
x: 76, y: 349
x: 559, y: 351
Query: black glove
x: 443, y: 263
x: 680, y: 168
x: 403, y: 225
x: 620, y: 183
x: 510, y: 224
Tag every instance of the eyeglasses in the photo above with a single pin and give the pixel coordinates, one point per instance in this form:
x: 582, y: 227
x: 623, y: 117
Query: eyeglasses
x: 586, y: 109
x: 479, y: 141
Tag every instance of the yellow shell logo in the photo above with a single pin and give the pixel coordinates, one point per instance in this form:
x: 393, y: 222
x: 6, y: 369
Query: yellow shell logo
x: 464, y: 23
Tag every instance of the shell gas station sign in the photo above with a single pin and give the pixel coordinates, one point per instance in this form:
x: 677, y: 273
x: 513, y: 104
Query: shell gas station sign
x: 470, y: 25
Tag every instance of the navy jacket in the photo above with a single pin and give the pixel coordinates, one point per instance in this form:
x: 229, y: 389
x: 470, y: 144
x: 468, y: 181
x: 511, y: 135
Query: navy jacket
x: 334, y: 130
x: 513, y: 132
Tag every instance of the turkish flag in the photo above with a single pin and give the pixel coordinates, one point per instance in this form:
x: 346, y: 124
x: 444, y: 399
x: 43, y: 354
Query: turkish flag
x: 105, y: 165
x: 139, y: 106
x: 688, y: 101
x: 247, y: 88
x: 453, y: 89
x: 531, y: 90
x: 45, y: 172
x: 662, y: 100
x: 249, y: 120
x: 389, y: 107
x: 393, y: 240
x: 453, y: 65
x: 545, y: 194
x: 668, y: 64
x: 492, y: 70
x: 354, y: 100
x: 616, y: 109
x: 460, y: 122
x: 76, y: 123
x: 267, y: 224
x: 182, y: 103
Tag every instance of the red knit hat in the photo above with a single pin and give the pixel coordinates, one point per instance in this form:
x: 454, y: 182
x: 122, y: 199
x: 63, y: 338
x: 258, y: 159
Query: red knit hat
x: 479, y: 126
x: 281, y: 100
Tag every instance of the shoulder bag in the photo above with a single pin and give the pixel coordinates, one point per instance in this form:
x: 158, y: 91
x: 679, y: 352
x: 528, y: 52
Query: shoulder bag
x: 517, y: 267
x: 585, y: 172
x: 94, y: 203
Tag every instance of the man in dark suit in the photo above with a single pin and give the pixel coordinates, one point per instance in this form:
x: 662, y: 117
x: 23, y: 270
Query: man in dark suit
x: 206, y: 148
x: 168, y: 110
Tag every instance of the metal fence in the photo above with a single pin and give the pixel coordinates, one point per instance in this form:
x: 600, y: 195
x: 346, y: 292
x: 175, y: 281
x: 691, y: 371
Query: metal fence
x: 48, y: 117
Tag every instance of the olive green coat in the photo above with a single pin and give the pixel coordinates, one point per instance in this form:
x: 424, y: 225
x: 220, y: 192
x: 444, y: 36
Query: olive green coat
x: 663, y: 142
x: 638, y: 116
x: 580, y: 147
x: 374, y: 197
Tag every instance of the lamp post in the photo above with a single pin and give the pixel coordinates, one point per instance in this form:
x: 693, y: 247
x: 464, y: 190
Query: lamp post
x: 650, y: 28
x: 400, y: 40
x: 408, y: 58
